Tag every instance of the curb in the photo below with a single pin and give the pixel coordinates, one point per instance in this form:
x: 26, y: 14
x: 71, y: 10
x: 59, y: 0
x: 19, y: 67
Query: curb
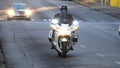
x: 109, y: 13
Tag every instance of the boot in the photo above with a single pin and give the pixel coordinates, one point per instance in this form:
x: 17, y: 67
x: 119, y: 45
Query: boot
x: 52, y: 46
x: 71, y: 48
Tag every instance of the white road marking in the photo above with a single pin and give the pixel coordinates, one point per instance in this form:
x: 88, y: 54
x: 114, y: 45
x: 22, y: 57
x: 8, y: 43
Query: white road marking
x: 99, y: 54
x: 82, y: 46
x: 118, y: 62
x: 49, y: 19
x: 45, y: 20
x: 32, y: 19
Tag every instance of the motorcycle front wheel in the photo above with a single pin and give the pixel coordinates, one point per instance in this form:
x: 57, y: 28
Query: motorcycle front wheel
x: 64, y: 49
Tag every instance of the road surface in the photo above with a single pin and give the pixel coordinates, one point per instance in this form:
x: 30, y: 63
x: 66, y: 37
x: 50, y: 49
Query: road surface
x: 25, y: 43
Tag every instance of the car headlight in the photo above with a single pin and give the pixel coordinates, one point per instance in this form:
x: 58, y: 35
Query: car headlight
x: 28, y: 12
x: 11, y: 12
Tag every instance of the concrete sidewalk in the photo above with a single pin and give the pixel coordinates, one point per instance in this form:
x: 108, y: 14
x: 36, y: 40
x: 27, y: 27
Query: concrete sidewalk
x: 113, y: 11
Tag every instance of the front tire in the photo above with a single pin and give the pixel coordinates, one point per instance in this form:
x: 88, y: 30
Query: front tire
x: 64, y: 49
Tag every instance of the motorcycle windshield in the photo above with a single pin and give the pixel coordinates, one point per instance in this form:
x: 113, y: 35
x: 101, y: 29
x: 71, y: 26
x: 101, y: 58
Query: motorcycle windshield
x: 65, y: 21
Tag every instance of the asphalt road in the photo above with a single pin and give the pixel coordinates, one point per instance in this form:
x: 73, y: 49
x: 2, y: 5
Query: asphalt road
x: 25, y: 43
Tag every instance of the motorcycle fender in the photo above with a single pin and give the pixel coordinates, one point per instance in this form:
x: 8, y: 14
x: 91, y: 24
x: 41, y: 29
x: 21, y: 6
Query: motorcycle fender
x: 57, y: 47
x: 50, y: 34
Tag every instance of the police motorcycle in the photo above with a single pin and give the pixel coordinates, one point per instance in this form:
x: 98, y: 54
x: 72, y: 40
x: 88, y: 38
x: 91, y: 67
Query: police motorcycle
x: 63, y: 38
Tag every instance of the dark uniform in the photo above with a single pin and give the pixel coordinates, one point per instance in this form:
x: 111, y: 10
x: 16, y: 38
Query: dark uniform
x: 67, y: 19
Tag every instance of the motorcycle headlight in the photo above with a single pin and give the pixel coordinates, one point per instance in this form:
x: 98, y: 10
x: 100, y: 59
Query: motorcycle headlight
x: 75, y: 22
x: 28, y: 12
x: 11, y: 12
x: 75, y: 28
x: 76, y: 25
x: 55, y: 21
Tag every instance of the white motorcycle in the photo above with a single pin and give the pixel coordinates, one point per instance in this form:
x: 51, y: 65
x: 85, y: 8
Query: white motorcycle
x: 63, y: 38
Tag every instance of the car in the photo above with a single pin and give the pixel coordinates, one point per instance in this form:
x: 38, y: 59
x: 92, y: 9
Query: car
x: 119, y: 30
x: 19, y: 11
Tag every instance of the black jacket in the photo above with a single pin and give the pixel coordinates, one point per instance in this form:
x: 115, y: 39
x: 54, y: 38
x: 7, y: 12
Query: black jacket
x: 68, y: 19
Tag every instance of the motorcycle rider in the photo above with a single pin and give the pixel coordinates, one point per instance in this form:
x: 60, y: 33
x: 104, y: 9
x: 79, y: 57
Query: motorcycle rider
x: 62, y: 18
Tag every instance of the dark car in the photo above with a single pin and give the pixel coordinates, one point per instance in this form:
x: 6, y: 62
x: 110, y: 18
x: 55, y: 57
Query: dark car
x: 19, y: 11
